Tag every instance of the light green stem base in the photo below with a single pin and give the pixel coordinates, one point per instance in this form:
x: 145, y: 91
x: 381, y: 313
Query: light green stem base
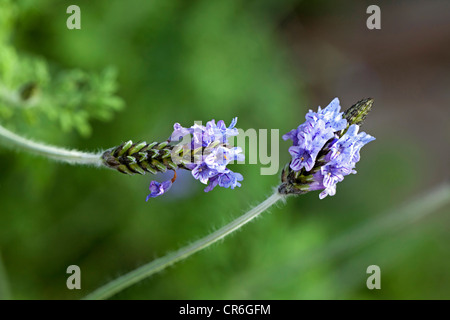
x: 51, y: 152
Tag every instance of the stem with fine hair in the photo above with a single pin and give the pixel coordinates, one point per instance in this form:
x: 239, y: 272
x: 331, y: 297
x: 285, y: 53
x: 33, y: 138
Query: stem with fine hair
x: 379, y: 227
x: 52, y: 152
x: 160, y: 264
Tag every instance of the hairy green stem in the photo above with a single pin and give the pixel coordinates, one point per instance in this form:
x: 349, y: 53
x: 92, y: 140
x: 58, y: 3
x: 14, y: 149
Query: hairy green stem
x: 378, y: 228
x: 157, y: 265
x: 55, y: 153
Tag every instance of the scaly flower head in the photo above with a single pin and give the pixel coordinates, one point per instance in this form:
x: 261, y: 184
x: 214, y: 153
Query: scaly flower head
x: 325, y: 149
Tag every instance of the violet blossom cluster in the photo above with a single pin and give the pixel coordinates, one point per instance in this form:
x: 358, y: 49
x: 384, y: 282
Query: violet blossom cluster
x: 326, y: 133
x: 208, y: 154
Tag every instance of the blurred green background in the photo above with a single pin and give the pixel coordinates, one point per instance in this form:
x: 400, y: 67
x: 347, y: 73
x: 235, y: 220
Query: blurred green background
x: 150, y: 64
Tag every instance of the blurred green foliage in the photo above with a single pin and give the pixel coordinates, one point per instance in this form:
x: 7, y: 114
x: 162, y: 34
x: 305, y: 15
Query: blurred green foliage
x: 30, y: 89
x: 181, y: 61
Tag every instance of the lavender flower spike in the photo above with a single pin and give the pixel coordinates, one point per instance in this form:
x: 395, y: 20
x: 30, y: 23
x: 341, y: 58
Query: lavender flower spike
x: 203, y: 150
x: 325, y: 149
x: 212, y: 153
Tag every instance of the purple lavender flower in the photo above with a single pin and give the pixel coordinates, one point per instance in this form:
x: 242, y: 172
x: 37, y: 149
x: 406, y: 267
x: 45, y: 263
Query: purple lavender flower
x: 343, y: 155
x: 211, y: 165
x: 157, y: 189
x: 203, y: 173
x: 203, y: 136
x: 229, y: 179
x: 179, y: 132
x: 310, y: 137
x: 221, y: 156
x: 331, y: 115
x: 226, y: 179
x: 208, y: 154
x: 325, y: 149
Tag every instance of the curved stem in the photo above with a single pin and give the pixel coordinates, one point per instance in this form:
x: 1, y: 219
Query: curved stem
x: 157, y: 265
x: 378, y: 228
x: 55, y: 153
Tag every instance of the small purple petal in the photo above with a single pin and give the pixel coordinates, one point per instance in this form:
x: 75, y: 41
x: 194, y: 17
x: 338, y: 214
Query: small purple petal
x: 291, y: 135
x: 157, y: 189
x: 213, y: 182
x: 233, y: 123
x: 179, y: 132
x: 230, y: 179
x: 202, y: 173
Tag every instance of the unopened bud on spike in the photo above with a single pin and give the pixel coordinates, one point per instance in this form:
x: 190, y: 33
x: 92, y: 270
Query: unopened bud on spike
x: 358, y: 112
